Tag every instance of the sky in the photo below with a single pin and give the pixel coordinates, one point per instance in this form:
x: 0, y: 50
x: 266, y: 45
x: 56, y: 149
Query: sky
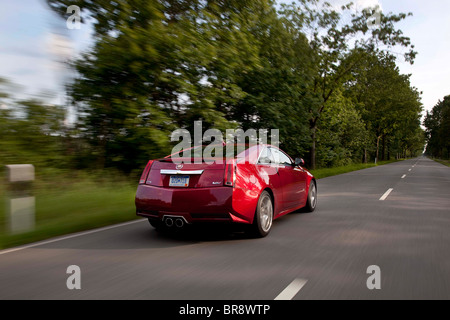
x: 34, y: 42
x: 429, y: 30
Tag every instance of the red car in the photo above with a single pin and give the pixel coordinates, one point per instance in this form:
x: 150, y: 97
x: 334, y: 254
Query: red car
x: 255, y: 187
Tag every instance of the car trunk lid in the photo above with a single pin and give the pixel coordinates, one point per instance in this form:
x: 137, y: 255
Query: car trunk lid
x: 165, y: 173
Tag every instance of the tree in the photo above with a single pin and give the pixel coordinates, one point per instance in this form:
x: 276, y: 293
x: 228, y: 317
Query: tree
x: 159, y: 65
x: 437, y: 123
x: 30, y: 130
x: 156, y: 66
x: 388, y: 103
x: 339, y: 46
x: 275, y: 92
x: 341, y: 135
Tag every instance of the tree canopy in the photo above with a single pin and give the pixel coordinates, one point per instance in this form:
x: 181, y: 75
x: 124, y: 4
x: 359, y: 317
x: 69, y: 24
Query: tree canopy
x: 437, y: 123
x: 321, y: 75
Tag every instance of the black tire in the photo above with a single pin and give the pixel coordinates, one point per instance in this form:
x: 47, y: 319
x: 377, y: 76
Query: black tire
x: 155, y: 223
x: 263, y: 216
x: 311, y: 203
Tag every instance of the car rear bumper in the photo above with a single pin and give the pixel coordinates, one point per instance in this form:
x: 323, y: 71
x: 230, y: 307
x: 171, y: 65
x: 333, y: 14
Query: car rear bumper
x: 194, y: 205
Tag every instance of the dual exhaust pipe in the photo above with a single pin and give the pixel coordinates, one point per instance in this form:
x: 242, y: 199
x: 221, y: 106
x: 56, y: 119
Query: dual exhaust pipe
x: 174, y: 221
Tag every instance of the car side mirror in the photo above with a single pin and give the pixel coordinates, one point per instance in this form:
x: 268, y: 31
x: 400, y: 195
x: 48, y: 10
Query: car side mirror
x: 299, y: 162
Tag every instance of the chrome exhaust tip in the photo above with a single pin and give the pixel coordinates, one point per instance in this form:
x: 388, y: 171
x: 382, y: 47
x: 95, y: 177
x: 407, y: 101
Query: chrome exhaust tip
x: 179, y: 223
x: 169, y: 222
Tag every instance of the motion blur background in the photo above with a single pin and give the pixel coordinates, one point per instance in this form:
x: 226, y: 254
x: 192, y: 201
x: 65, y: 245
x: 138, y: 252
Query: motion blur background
x: 88, y: 107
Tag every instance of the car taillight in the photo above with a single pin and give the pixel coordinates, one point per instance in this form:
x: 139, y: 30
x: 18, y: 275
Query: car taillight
x: 230, y: 174
x: 145, y: 172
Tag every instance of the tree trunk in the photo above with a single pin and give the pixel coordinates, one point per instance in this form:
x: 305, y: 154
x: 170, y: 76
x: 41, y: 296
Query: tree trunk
x: 378, y: 148
x: 313, y: 148
x: 388, y: 150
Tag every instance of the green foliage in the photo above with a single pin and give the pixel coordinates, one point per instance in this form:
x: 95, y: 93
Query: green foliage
x: 342, y: 135
x: 158, y: 68
x: 276, y: 92
x: 338, y: 38
x: 75, y: 207
x: 315, y: 73
x: 437, y: 123
x: 30, y: 131
x: 389, y: 105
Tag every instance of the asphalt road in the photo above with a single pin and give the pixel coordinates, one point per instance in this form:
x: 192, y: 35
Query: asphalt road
x: 327, y: 252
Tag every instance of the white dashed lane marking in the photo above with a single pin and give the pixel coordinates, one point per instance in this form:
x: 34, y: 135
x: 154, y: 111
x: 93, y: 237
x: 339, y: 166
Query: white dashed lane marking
x: 291, y: 290
x: 386, y: 194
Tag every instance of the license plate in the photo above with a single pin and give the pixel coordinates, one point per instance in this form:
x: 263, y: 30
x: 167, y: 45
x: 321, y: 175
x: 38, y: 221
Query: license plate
x: 179, y: 181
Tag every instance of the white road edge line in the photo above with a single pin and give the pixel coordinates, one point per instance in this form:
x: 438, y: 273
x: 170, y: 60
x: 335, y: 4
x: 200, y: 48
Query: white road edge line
x: 387, y: 193
x: 404, y: 176
x: 291, y: 290
x: 78, y: 234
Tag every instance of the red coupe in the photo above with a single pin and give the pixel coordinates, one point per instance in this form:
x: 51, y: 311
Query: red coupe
x: 260, y: 184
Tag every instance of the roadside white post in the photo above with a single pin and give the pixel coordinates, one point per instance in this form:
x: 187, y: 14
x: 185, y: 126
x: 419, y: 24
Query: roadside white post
x: 20, y: 202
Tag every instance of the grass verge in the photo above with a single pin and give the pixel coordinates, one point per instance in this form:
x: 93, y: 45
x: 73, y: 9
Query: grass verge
x: 444, y: 162
x: 79, y: 207
x: 328, y: 172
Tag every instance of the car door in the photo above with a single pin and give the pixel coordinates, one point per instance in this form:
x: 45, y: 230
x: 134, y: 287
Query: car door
x: 292, y: 179
x: 268, y: 170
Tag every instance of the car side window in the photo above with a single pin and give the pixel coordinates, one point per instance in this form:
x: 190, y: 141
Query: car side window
x: 266, y: 157
x: 280, y: 157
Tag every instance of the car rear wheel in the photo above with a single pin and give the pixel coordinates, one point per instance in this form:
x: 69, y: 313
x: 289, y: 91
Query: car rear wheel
x: 263, y: 216
x: 154, y: 223
x: 311, y: 203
